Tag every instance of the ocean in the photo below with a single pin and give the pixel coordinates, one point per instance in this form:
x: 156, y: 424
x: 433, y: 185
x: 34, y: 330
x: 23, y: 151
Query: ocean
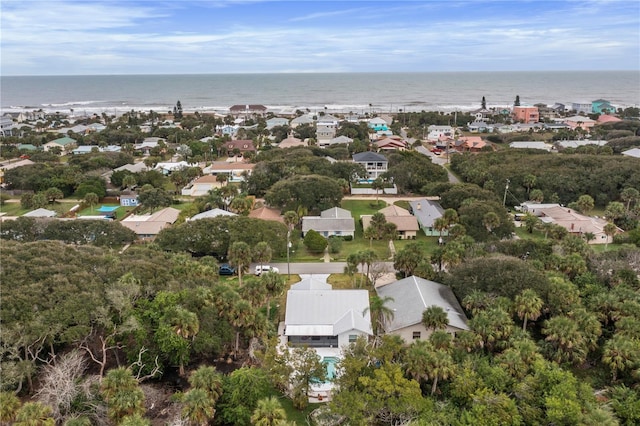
x: 339, y: 92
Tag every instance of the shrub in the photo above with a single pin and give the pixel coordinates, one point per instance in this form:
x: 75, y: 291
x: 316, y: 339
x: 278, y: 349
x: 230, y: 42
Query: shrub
x: 335, y: 244
x: 348, y: 237
x: 314, y: 242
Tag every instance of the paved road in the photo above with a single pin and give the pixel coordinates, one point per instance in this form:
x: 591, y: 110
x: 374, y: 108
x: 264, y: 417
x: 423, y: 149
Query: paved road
x: 315, y: 268
x: 436, y: 159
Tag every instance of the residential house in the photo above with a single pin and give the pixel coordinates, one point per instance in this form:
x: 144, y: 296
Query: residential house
x: 633, y: 152
x: 201, y: 186
x: 166, y: 168
x: 410, y: 297
x: 6, y: 126
x: 235, y: 172
x: 326, y: 321
x: 251, y: 109
x: 480, y: 127
x: 267, y: 213
x: 148, y: 144
x: 436, y: 132
x: 601, y: 106
x: 65, y: 144
x: 227, y: 129
x: 378, y: 124
x: 241, y: 146
x: 470, y: 144
x: 129, y: 200
x: 276, y: 121
x: 390, y: 144
x: 426, y: 212
x: 209, y: 214
x: 606, y: 118
x: 319, y: 317
x: 325, y: 133
x: 571, y: 220
x: 147, y: 227
x: 133, y: 168
x: 579, y: 121
x: 481, y: 114
x: 531, y: 145
x: 328, y: 120
x: 303, y: 119
x: 406, y: 223
x: 556, y: 127
x: 85, y: 149
x: 525, y: 114
x: 581, y: 107
x: 375, y: 164
x: 558, y: 108
x: 340, y: 140
x: 331, y: 222
x: 291, y: 142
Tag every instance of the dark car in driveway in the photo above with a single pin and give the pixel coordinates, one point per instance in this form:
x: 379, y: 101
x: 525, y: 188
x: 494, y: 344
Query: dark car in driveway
x: 226, y: 269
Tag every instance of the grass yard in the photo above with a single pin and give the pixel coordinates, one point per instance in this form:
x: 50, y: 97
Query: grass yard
x: 13, y: 209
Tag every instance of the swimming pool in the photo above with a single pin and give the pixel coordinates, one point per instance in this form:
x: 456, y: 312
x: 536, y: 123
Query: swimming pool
x: 330, y: 364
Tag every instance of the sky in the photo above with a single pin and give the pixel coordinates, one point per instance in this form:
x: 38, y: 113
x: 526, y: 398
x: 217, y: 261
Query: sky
x: 80, y: 37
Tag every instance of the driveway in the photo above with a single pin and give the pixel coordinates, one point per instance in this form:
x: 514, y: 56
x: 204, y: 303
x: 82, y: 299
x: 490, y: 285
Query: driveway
x: 436, y: 159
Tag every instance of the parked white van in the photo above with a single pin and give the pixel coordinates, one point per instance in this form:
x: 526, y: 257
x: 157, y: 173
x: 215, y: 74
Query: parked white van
x: 266, y: 268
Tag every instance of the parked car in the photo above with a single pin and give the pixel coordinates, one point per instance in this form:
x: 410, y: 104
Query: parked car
x: 226, y: 269
x: 266, y: 268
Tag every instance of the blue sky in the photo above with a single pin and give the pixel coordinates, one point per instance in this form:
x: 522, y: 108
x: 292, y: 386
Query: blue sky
x: 57, y: 37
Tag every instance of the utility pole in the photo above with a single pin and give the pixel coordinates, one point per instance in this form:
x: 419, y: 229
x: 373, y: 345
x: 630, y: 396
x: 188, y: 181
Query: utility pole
x: 288, y: 248
x: 506, y: 188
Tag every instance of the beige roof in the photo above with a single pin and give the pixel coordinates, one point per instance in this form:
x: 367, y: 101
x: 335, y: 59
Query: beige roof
x: 575, y: 222
x: 206, y: 179
x: 267, y: 213
x: 404, y: 223
x: 169, y: 215
x: 394, y: 210
x: 291, y: 142
x: 145, y: 227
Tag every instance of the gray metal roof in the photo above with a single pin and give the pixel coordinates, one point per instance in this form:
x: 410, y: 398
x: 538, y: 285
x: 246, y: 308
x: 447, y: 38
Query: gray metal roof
x: 412, y: 295
x: 311, y: 283
x: 426, y: 211
x: 368, y: 156
x: 327, y: 312
x: 327, y: 224
x: 336, y: 212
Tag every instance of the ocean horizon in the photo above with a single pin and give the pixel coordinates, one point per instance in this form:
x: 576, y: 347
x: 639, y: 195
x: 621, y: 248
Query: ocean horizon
x: 332, y: 92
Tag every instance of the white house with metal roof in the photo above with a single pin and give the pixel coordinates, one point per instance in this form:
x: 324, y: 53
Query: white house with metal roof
x: 426, y: 212
x: 331, y: 222
x: 411, y: 297
x: 319, y: 317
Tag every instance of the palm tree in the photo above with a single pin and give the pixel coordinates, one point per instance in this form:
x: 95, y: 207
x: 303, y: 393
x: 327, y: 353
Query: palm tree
x: 241, y: 314
x: 198, y: 407
x: 268, y: 412
x: 134, y: 420
x: 377, y: 185
x: 129, y: 181
x: 416, y: 359
x: 9, y: 405
x: 186, y: 325
x: 440, y: 366
x: 528, y: 306
x: 122, y: 394
x: 208, y: 379
x: 434, y: 317
x: 566, y: 339
x: 239, y: 256
x: 476, y: 301
x: 610, y: 230
x: 274, y: 284
x: 491, y: 221
x: 34, y: 414
x: 621, y: 354
x: 381, y: 314
x: 262, y: 253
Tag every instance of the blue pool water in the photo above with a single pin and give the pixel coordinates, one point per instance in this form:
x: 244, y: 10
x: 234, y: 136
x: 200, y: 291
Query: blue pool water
x: 330, y: 362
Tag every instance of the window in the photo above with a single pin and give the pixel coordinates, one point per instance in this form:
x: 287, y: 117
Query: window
x: 353, y: 338
x: 416, y: 335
